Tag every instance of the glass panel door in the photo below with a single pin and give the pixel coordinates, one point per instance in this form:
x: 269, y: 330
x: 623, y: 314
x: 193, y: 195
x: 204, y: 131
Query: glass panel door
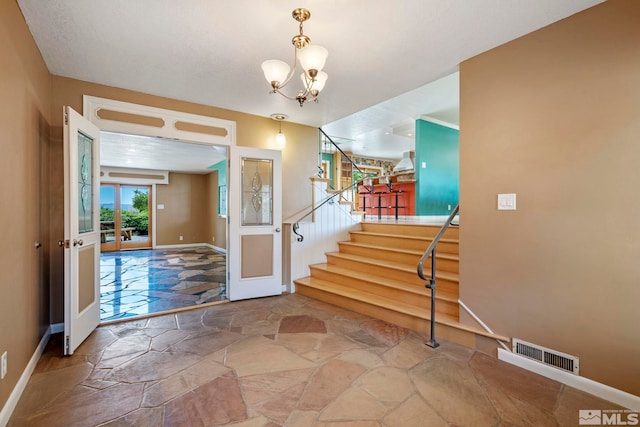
x: 257, y: 192
x: 108, y: 207
x: 85, y: 183
x: 135, y: 204
x: 81, y: 151
x: 255, y: 210
x: 125, y: 220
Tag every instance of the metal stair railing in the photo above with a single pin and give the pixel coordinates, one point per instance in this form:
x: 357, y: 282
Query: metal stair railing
x: 330, y: 199
x: 431, y: 281
x: 332, y: 148
x: 339, y: 193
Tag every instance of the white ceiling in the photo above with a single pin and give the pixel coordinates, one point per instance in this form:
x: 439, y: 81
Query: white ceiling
x: 386, y: 130
x: 210, y: 51
x: 142, y: 152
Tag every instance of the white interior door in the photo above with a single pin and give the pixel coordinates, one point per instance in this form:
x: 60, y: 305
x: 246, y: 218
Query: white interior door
x: 255, y: 222
x: 81, y: 229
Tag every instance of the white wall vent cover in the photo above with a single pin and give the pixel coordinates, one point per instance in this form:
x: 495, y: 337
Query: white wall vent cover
x: 554, y: 358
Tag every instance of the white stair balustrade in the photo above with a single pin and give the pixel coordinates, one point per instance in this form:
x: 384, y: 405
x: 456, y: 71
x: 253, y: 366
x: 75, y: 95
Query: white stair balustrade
x: 321, y: 231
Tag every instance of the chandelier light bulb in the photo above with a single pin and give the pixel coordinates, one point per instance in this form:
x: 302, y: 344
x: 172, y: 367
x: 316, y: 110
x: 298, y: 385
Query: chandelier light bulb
x: 275, y: 71
x: 281, y: 141
x: 318, y: 84
x: 313, y: 57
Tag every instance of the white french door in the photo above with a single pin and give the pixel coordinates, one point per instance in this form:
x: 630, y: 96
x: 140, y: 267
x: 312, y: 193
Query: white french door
x: 81, y: 229
x: 255, y: 222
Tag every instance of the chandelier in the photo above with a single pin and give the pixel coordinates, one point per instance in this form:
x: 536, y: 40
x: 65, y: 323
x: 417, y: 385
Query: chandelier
x: 312, y: 59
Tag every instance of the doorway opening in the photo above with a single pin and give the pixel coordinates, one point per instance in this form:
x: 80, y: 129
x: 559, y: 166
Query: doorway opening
x: 163, y: 227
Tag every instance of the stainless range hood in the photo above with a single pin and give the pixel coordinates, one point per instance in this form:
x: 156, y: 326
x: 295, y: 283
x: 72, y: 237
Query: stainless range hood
x: 406, y: 164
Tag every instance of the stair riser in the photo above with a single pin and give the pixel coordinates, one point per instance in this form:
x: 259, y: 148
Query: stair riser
x: 405, y: 259
x: 400, y: 243
x: 410, y: 230
x: 443, y: 332
x: 448, y: 286
x: 420, y: 299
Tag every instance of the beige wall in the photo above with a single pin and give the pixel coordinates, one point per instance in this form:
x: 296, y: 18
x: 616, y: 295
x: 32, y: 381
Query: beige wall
x: 216, y: 226
x: 185, y: 212
x: 25, y: 95
x: 555, y: 117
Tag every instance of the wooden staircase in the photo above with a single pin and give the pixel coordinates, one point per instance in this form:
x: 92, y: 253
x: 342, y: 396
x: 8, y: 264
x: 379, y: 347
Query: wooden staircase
x: 375, y: 274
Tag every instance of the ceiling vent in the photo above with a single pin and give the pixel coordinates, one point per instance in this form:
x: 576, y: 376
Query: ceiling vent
x: 559, y: 360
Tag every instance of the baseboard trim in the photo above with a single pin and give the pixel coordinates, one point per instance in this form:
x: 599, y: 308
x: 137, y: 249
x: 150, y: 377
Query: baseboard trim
x: 216, y: 248
x: 186, y: 245
x: 192, y: 245
x: 603, y: 391
x: 14, y: 397
x: 56, y: 328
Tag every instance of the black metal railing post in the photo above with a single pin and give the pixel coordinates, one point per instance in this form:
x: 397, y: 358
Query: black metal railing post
x: 431, y: 281
x: 432, y: 285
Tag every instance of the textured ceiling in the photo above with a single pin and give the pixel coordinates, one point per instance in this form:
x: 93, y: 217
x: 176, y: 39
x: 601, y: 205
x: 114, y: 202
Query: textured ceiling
x: 210, y: 51
x: 141, y: 152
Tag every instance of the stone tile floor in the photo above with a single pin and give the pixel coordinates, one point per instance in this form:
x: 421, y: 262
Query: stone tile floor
x: 283, y: 361
x: 134, y: 283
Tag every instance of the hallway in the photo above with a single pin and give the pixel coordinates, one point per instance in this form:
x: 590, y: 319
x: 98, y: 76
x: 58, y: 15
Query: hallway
x: 283, y: 361
x: 138, y: 282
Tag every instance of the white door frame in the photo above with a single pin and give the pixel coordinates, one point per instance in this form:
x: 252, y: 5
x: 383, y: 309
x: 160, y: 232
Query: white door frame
x: 92, y: 107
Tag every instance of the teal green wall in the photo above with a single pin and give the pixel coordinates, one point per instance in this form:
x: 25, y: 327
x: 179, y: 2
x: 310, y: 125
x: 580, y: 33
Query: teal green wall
x: 438, y: 184
x: 329, y: 157
x: 221, y: 167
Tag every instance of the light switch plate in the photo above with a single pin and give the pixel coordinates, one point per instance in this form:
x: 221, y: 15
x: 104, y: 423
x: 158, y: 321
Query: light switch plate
x: 507, y: 202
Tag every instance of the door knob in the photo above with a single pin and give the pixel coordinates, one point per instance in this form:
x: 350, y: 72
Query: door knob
x: 77, y: 242
x: 63, y: 243
x: 278, y: 230
x: 38, y: 245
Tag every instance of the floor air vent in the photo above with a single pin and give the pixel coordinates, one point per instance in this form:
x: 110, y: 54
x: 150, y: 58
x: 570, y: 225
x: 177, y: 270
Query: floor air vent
x: 559, y: 360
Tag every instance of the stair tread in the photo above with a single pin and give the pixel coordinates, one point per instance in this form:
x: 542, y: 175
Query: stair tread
x: 383, y: 302
x: 394, y: 265
x: 368, y: 297
x: 419, y: 290
x: 402, y: 236
x: 439, y: 255
x: 409, y: 223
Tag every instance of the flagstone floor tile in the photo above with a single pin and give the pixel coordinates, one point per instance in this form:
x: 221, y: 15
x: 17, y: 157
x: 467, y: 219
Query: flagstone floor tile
x: 150, y: 281
x: 282, y: 361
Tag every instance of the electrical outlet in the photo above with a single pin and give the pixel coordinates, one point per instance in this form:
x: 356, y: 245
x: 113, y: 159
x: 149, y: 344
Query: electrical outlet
x: 3, y: 366
x: 213, y: 239
x: 181, y: 238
